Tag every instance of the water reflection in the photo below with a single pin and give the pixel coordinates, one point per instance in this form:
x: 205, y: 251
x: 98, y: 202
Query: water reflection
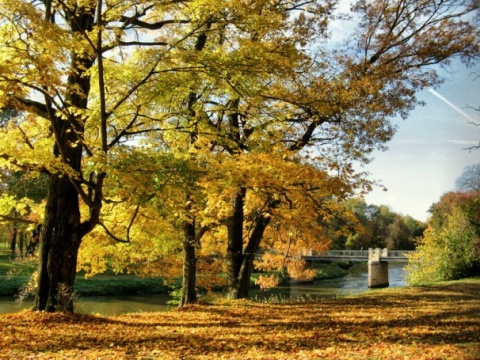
x: 353, y: 283
x: 103, y: 305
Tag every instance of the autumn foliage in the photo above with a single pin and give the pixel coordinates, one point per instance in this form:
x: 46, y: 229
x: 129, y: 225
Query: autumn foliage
x: 416, y: 323
x: 179, y: 127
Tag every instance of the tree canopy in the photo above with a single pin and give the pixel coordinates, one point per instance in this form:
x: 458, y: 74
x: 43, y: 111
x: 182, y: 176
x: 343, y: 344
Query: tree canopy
x: 449, y: 249
x: 229, y: 123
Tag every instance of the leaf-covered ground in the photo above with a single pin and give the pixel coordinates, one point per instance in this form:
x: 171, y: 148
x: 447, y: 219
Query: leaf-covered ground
x: 440, y: 322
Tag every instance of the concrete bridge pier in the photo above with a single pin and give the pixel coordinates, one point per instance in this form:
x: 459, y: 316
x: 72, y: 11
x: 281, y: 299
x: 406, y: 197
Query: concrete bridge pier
x: 377, y: 269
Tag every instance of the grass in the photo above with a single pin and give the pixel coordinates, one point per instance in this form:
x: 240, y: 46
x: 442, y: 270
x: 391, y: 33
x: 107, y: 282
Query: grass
x: 331, y: 270
x: 11, y: 267
x: 15, y: 274
x: 434, y: 322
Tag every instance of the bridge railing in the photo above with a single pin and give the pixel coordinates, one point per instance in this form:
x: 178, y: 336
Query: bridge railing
x: 348, y: 253
x: 360, y: 253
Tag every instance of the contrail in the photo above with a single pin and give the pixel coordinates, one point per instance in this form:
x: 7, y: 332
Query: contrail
x: 452, y: 105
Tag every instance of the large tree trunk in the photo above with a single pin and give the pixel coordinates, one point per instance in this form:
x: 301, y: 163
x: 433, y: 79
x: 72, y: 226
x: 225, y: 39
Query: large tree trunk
x: 60, y: 239
x: 189, y: 291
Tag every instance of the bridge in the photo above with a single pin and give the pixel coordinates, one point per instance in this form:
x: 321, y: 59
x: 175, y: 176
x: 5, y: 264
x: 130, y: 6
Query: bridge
x: 378, y: 260
x: 357, y: 255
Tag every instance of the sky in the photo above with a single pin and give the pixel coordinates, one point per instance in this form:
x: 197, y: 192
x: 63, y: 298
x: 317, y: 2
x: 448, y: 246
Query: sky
x: 425, y: 157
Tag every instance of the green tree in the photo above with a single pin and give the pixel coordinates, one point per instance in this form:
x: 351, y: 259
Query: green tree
x: 380, y: 227
x: 450, y: 247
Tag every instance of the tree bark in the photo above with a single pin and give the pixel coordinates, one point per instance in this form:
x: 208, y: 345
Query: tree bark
x: 60, y: 239
x: 240, y: 288
x: 189, y: 291
x: 13, y: 240
x: 234, y: 256
x: 21, y: 244
x: 240, y: 260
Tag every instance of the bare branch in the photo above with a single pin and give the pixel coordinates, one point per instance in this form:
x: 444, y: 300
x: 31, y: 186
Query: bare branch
x: 150, y: 26
x: 129, y: 227
x: 5, y: 218
x: 109, y: 233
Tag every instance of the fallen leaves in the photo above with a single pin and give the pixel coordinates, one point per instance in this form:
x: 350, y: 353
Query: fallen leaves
x: 429, y: 323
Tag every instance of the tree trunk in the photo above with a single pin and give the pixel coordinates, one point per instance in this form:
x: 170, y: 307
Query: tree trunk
x: 13, y: 240
x: 21, y: 244
x: 61, y: 231
x: 189, y: 292
x: 60, y: 239
x: 239, y: 261
x: 240, y: 288
x: 235, y: 242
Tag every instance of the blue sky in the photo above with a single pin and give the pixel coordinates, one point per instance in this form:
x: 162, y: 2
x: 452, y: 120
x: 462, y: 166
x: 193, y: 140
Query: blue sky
x: 425, y: 156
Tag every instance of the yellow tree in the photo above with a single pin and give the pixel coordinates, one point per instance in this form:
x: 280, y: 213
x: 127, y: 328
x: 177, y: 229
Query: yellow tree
x: 69, y: 71
x: 278, y: 96
x: 261, y: 88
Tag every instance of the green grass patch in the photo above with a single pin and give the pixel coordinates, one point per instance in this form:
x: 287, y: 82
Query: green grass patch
x: 102, y: 285
x: 10, y: 266
x: 96, y: 286
x: 12, y: 285
x: 16, y: 272
x: 330, y: 270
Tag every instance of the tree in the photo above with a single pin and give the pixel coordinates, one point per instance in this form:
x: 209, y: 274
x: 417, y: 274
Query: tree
x: 398, y: 235
x: 20, y: 202
x: 21, y: 194
x: 378, y: 226
x: 79, y: 99
x: 469, y: 180
x: 449, y: 249
x: 338, y: 103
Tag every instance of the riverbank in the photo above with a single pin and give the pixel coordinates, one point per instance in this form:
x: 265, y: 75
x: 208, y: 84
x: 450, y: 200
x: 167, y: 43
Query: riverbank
x: 15, y: 275
x: 440, y: 322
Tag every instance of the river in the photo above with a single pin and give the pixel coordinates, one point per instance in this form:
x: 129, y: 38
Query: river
x: 353, y: 283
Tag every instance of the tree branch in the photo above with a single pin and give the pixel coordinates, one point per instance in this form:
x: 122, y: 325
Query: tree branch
x: 5, y: 218
x: 135, y: 20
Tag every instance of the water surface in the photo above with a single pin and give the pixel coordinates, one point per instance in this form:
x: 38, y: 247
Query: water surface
x: 353, y: 283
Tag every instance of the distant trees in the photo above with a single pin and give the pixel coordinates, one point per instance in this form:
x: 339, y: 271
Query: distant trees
x: 378, y: 226
x: 450, y: 248
x: 21, y: 195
